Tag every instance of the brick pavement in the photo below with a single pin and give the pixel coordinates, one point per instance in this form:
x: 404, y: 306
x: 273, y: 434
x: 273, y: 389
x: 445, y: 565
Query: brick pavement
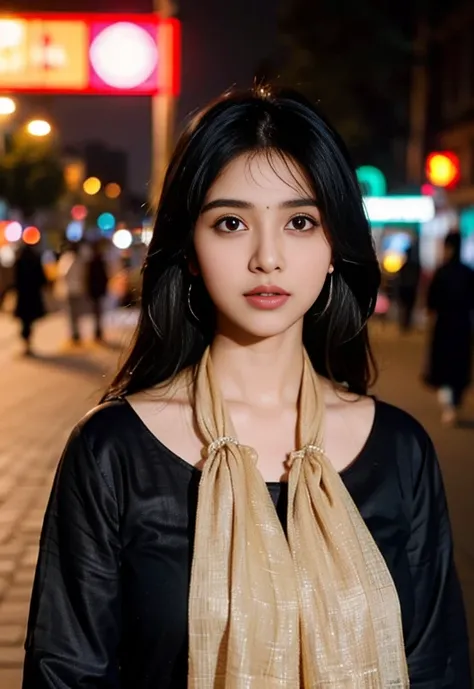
x: 41, y: 400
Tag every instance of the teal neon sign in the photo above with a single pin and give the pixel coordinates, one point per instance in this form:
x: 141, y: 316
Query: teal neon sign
x: 372, y: 180
x: 466, y: 221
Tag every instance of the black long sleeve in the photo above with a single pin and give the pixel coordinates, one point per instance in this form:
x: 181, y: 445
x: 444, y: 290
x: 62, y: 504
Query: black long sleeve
x: 112, y: 582
x: 437, y: 644
x: 74, y: 624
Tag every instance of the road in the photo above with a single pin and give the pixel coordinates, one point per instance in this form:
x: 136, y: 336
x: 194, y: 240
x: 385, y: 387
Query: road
x: 41, y: 399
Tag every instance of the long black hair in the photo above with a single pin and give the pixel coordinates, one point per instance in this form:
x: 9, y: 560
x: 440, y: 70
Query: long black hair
x: 168, y: 337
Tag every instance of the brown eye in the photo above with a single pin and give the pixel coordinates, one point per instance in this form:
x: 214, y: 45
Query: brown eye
x: 229, y: 224
x: 301, y: 223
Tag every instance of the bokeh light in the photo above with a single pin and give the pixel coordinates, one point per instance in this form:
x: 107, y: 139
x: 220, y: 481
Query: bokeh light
x: 92, y: 185
x: 75, y: 231
x: 38, y: 128
x: 146, y: 235
x: 122, y: 239
x: 31, y: 235
x: 113, y: 190
x: 106, y: 222
x: 393, y: 262
x: 13, y: 232
x: 443, y: 169
x: 79, y: 212
x: 7, y: 106
x: 7, y: 256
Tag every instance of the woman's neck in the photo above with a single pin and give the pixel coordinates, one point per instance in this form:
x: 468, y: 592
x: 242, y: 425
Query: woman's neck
x: 266, y: 373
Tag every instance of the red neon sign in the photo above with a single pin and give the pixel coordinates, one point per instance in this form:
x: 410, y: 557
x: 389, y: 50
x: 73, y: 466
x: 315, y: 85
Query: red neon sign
x: 89, y: 53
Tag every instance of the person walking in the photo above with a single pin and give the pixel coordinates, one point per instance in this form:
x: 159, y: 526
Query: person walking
x: 408, y: 282
x: 96, y: 285
x: 450, y: 302
x: 29, y: 281
x: 72, y: 286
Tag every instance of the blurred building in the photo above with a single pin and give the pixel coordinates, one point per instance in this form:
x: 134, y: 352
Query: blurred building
x: 108, y: 164
x: 442, y: 118
x: 446, y: 51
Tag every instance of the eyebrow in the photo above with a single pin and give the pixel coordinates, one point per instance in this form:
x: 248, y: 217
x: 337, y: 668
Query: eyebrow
x: 237, y: 203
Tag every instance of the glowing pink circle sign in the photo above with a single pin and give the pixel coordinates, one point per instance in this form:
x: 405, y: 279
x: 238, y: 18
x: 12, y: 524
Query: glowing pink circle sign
x: 124, y: 55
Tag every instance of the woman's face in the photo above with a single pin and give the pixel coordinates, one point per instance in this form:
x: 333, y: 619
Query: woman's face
x: 260, y: 246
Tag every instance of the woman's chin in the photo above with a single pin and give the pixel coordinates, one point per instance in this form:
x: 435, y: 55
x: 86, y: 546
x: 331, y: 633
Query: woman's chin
x: 262, y: 329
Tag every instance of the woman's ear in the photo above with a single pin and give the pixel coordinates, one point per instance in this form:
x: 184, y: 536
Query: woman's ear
x: 331, y: 269
x: 192, y: 266
x: 193, y: 269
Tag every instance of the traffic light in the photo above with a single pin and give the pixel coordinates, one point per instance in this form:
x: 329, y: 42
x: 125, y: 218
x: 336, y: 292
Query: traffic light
x: 443, y: 169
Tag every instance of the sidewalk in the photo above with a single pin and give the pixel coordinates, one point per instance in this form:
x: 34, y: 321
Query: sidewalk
x: 41, y: 399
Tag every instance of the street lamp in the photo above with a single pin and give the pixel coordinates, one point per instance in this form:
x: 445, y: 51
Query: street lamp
x: 38, y: 128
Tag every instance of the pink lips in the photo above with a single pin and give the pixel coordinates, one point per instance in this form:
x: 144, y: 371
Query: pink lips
x: 267, y: 297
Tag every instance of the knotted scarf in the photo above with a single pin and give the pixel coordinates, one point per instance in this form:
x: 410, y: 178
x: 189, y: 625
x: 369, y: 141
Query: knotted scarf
x: 316, y: 609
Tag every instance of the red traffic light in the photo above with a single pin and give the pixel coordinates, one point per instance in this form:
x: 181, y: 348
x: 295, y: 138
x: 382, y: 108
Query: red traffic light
x: 443, y: 169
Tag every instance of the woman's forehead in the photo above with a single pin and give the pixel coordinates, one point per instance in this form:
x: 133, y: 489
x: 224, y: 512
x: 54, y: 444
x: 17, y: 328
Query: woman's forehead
x: 267, y: 173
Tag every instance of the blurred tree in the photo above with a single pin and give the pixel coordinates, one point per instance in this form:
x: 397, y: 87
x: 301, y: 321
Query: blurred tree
x: 353, y: 59
x: 31, y: 174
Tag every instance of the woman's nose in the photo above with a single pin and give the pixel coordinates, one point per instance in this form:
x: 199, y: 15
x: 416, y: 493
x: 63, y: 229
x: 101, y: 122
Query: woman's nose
x: 267, y: 254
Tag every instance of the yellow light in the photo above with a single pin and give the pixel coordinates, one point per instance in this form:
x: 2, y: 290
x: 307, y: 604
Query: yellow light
x: 7, y: 106
x: 113, y: 190
x: 92, y: 186
x: 393, y: 261
x: 38, y: 128
x: 443, y: 169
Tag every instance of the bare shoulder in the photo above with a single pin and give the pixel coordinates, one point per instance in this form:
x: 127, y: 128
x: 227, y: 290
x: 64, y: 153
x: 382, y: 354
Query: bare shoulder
x: 167, y: 412
x: 349, y: 422
x: 339, y: 401
x: 161, y: 405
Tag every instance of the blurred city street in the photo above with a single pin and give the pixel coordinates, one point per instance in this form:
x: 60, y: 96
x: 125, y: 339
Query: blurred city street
x: 42, y: 398
x: 40, y: 401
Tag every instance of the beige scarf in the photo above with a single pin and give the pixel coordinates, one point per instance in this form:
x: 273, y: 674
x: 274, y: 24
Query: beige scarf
x: 318, y: 610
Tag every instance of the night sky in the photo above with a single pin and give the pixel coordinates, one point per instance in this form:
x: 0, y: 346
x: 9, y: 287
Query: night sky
x: 223, y: 43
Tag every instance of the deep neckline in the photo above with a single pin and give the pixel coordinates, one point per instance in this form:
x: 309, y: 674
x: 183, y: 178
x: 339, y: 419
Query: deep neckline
x: 349, y: 469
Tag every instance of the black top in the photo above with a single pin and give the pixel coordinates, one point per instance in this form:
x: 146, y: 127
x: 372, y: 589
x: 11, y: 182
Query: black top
x: 109, y: 606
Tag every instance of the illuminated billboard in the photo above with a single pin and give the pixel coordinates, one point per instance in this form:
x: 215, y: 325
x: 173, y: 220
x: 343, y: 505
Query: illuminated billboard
x: 121, y: 54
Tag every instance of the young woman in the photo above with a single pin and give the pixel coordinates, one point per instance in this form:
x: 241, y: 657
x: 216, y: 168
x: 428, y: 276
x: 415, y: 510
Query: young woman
x: 240, y: 513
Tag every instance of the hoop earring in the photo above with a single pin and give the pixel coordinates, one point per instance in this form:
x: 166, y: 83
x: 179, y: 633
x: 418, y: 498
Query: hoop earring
x: 328, y: 303
x: 189, y: 304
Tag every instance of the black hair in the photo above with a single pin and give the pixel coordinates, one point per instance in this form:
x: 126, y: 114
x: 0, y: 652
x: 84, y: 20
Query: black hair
x: 168, y: 338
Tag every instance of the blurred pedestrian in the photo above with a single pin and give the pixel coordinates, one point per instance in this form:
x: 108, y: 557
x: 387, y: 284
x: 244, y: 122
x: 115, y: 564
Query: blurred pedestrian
x: 96, y: 285
x: 72, y: 286
x: 29, y: 281
x: 450, y: 303
x: 408, y: 281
